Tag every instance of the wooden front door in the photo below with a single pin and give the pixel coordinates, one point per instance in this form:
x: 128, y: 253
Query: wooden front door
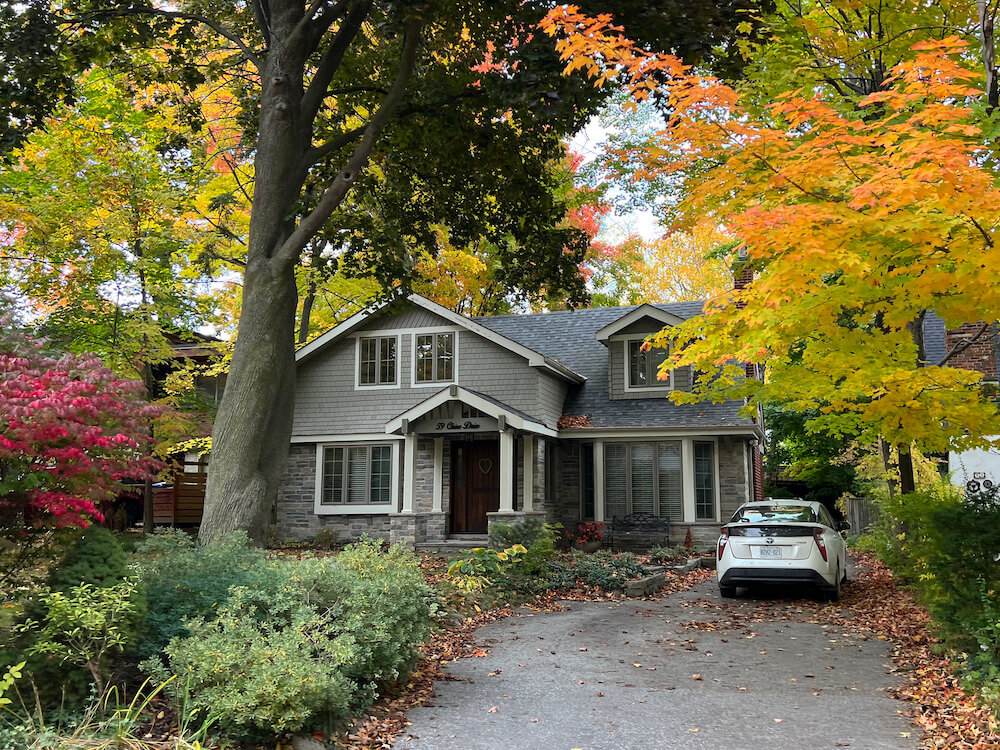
x: 475, y: 484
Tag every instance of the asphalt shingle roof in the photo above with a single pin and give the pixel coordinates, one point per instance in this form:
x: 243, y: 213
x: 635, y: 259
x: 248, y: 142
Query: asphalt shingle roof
x: 569, y: 336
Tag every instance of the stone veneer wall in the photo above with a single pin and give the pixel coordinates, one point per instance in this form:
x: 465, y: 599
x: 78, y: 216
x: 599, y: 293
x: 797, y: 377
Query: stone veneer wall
x: 296, y: 516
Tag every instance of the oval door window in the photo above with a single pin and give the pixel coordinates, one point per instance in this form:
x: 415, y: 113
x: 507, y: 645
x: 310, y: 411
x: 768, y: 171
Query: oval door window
x: 485, y: 464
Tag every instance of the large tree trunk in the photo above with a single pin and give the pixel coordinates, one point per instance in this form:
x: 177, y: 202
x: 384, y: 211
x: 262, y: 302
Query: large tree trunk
x: 254, y: 424
x: 252, y: 430
x: 251, y: 434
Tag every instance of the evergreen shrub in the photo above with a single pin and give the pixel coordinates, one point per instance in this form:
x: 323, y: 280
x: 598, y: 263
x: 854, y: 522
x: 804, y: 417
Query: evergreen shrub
x: 298, y: 643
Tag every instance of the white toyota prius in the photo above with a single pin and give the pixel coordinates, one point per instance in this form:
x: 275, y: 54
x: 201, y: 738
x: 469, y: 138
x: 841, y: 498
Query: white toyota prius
x: 782, y: 541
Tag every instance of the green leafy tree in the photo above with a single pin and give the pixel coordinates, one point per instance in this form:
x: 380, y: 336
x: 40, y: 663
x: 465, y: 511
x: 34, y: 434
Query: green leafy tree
x: 333, y: 92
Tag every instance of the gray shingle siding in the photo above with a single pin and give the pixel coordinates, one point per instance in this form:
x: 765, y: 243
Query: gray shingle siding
x: 402, y: 316
x: 327, y: 402
x: 551, y: 396
x: 497, y: 372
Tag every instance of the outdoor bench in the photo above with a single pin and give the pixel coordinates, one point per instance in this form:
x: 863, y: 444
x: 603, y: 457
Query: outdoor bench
x: 638, y: 529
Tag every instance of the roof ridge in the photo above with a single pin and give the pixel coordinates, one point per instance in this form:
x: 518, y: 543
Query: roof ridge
x: 624, y: 308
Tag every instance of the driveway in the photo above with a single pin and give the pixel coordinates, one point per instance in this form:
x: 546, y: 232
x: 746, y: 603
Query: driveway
x: 688, y: 671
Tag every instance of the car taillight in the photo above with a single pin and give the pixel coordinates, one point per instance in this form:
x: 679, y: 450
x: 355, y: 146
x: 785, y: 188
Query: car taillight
x: 820, y: 542
x: 722, y: 541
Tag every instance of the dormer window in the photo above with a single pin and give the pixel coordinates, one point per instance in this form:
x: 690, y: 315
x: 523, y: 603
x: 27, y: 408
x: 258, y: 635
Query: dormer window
x: 435, y: 357
x: 644, y: 366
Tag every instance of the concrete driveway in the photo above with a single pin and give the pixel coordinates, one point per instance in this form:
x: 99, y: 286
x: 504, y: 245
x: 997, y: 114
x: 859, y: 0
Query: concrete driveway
x: 688, y: 671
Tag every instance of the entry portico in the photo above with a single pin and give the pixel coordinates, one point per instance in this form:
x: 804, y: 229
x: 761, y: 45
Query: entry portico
x: 464, y: 419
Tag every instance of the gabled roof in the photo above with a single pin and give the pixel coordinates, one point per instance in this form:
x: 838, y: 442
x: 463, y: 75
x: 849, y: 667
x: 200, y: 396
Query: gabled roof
x: 571, y: 337
x: 534, y: 358
x: 486, y: 404
x: 659, y: 315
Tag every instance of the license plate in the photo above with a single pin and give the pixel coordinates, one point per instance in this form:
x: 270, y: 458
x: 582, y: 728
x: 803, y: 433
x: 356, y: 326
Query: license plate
x: 769, y: 551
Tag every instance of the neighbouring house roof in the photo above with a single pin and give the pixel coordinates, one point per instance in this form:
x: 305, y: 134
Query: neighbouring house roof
x: 571, y: 337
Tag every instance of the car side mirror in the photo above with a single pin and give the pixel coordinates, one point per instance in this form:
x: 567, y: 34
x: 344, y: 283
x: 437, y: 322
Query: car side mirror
x: 843, y: 526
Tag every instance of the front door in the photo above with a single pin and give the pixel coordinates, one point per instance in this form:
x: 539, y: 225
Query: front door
x: 475, y: 484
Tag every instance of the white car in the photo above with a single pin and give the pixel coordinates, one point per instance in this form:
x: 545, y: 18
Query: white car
x: 782, y: 541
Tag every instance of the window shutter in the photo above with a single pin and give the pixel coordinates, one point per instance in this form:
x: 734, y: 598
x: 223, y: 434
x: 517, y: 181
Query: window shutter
x: 615, y: 488
x: 642, y: 478
x: 671, y: 500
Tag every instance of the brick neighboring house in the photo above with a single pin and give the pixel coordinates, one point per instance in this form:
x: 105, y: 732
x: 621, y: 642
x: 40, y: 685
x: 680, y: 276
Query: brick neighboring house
x: 982, y: 355
x: 417, y: 424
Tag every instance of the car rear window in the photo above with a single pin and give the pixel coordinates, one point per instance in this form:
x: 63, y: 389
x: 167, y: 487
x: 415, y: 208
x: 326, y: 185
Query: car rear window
x: 771, y: 513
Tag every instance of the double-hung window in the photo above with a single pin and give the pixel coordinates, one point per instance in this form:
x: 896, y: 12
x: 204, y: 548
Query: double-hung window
x: 377, y: 360
x: 644, y: 365
x: 643, y: 478
x: 357, y: 475
x: 435, y: 357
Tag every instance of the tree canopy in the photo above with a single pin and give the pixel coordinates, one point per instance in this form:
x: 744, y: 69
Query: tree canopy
x: 857, y: 221
x: 368, y: 125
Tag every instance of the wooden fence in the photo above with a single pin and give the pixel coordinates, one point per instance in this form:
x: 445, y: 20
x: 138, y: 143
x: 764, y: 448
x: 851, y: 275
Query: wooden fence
x: 183, y: 503
x: 862, y: 514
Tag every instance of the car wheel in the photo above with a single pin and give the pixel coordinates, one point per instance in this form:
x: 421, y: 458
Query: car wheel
x: 833, y: 595
x: 727, y: 592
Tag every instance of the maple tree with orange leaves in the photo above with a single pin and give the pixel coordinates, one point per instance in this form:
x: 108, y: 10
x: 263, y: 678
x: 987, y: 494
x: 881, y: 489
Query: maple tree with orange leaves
x: 857, y: 225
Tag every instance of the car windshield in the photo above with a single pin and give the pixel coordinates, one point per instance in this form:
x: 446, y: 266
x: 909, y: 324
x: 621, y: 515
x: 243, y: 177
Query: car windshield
x: 770, y: 513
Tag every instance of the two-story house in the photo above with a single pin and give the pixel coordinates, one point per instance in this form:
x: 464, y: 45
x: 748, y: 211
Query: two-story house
x: 417, y: 424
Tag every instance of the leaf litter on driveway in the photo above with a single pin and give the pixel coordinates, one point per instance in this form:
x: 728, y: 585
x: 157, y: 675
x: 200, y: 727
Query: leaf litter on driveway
x: 872, y: 607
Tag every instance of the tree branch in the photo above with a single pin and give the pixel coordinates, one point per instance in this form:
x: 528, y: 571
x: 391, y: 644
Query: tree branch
x: 217, y: 27
x: 313, y: 27
x: 334, y: 194
x: 263, y: 14
x: 312, y: 100
x: 313, y: 155
x: 964, y: 344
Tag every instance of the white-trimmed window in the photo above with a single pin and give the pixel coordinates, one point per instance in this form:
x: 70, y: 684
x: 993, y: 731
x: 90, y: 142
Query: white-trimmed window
x: 377, y: 360
x: 643, y: 365
x: 434, y: 357
x: 356, y: 475
x: 704, y: 480
x: 644, y: 478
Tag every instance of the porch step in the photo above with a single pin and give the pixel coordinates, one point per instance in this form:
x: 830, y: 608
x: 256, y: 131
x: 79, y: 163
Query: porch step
x: 452, y: 546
